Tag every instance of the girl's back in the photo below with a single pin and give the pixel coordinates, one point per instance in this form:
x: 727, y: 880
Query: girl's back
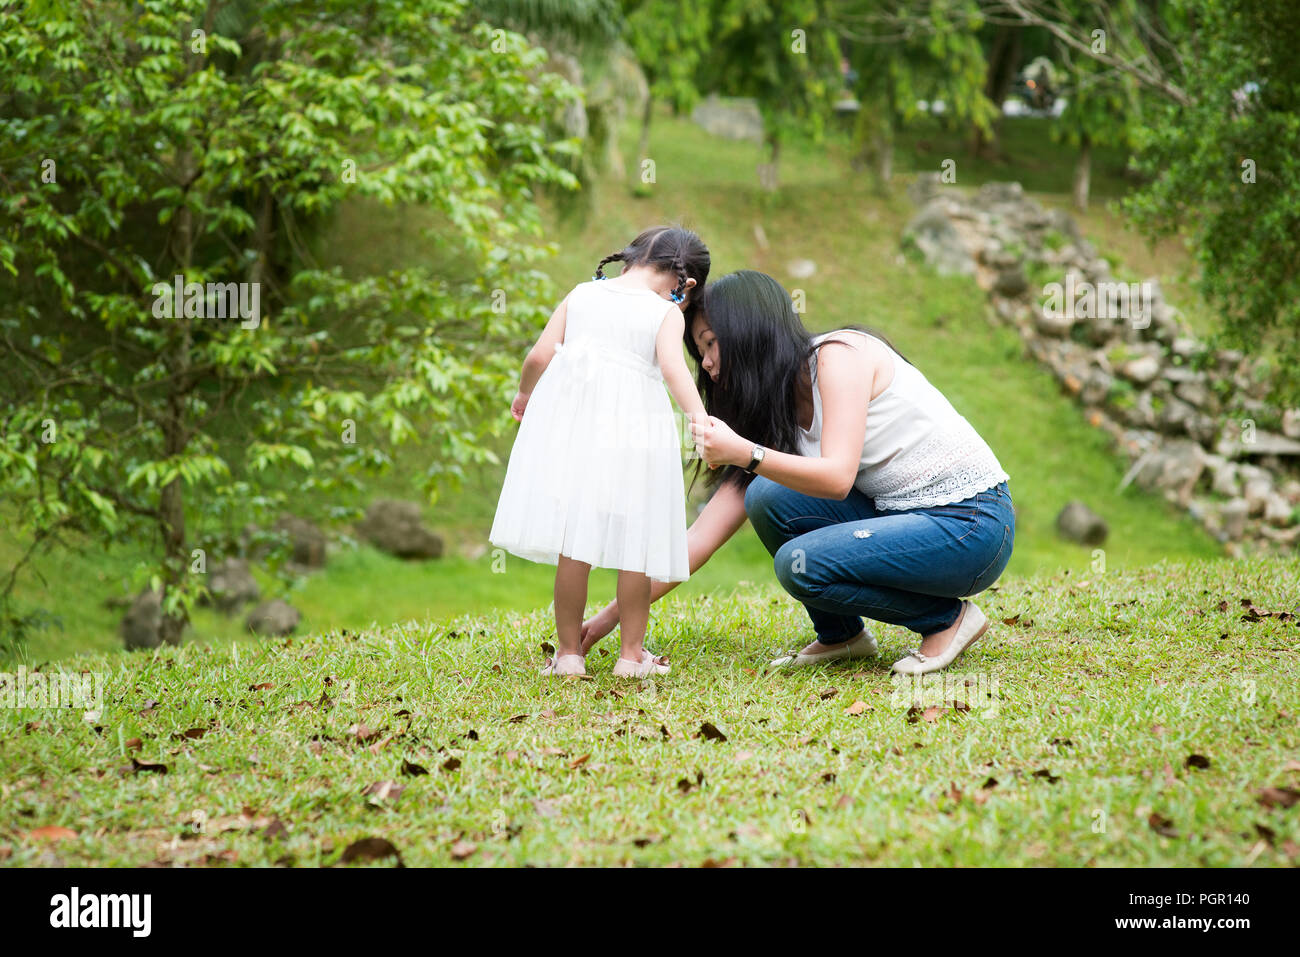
x: 615, y: 318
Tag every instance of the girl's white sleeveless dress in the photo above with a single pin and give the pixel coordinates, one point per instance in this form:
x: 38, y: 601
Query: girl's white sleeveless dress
x: 596, y: 469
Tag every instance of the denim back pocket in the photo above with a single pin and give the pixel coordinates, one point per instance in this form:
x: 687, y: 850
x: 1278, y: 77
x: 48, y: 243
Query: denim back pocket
x: 994, y: 568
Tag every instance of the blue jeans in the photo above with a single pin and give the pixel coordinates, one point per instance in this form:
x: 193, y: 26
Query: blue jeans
x: 843, y: 559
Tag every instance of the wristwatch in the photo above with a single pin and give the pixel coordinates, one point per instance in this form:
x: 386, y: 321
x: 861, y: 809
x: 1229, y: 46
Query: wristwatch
x: 759, y: 452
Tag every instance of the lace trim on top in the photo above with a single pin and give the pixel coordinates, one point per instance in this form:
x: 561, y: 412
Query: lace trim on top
x: 950, y: 465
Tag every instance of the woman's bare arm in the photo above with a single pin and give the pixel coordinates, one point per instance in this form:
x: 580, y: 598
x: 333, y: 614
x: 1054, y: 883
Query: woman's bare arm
x: 722, y: 516
x: 846, y: 379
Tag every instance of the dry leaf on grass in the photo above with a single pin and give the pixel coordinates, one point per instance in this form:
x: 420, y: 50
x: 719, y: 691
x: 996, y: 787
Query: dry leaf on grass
x: 370, y: 849
x: 710, y: 733
x: 51, y: 833
x: 1161, y: 825
x: 1278, y: 797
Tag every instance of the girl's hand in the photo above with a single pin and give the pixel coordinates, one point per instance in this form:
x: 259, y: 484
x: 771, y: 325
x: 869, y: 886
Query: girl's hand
x: 518, y: 405
x: 718, y: 444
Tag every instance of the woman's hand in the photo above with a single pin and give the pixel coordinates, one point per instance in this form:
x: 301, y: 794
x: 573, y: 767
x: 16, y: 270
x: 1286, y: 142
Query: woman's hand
x: 598, y: 626
x: 718, y: 444
x: 518, y: 405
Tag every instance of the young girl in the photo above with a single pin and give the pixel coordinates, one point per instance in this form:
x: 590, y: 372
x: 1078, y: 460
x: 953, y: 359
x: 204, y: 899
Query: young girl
x: 595, y: 475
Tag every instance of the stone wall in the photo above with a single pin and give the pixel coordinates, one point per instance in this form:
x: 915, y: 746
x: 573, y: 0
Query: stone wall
x: 1195, y: 423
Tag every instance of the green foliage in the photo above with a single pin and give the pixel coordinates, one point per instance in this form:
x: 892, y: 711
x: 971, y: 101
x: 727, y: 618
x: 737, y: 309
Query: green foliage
x: 1198, y: 157
x: 784, y: 54
x: 670, y: 39
x: 142, y: 144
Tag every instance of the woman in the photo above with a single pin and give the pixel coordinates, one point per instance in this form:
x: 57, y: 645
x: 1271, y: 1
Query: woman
x: 873, y: 495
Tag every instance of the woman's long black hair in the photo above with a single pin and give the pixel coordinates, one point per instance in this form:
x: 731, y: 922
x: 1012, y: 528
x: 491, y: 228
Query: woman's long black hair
x: 763, y: 349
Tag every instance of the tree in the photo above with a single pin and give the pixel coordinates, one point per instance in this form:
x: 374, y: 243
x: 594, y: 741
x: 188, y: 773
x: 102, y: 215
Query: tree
x: 1224, y: 166
x: 670, y: 39
x: 1102, y: 109
x: 145, y: 148
x: 904, y: 51
x: 1217, y: 144
x: 784, y: 54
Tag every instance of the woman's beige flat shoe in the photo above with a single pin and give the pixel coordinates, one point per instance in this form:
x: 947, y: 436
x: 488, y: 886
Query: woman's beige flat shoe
x: 970, y: 629
x: 863, y: 646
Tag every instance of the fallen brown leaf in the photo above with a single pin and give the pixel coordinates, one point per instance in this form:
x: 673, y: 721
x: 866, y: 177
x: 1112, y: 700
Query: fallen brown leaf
x: 370, y: 849
x: 51, y: 833
x: 384, y: 791
x: 1278, y: 797
x: 1162, y: 825
x: 710, y: 733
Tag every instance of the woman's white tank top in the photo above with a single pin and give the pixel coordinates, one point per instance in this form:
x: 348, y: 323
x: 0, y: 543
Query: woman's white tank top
x: 918, y: 450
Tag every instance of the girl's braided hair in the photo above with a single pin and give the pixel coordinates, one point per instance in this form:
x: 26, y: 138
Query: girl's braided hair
x: 670, y: 249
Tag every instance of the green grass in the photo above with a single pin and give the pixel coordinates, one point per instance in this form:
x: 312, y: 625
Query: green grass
x: 1084, y: 712
x: 824, y: 212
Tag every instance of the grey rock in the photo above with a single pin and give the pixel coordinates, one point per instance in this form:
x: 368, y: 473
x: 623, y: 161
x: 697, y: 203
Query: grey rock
x: 999, y: 194
x: 398, y: 528
x: 1057, y: 326
x: 232, y: 586
x: 1096, y: 387
x: 1172, y: 467
x: 274, y: 618
x: 924, y: 188
x: 1076, y: 522
x: 801, y: 268
x: 1175, y: 416
x: 939, y: 242
x: 1141, y: 370
x: 1224, y: 481
x: 1291, y: 423
x: 1256, y: 490
x: 142, y: 625
x: 1270, y: 443
x: 735, y: 119
x: 1011, y: 283
x: 1277, y: 510
x: 1232, y: 517
x: 1194, y: 393
x: 306, y: 540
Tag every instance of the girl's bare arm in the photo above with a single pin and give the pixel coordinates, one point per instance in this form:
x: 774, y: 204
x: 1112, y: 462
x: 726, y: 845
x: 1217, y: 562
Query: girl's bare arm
x: 543, y: 351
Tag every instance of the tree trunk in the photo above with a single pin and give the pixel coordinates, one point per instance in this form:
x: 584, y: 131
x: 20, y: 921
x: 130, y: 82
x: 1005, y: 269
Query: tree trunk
x: 643, y: 144
x: 884, y: 149
x: 768, y: 173
x: 1083, y: 174
x: 1004, y: 60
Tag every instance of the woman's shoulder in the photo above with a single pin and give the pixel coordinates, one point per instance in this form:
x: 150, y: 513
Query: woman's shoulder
x: 875, y: 351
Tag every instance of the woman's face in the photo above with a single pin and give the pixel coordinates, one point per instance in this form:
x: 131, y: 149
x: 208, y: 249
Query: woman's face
x: 707, y: 345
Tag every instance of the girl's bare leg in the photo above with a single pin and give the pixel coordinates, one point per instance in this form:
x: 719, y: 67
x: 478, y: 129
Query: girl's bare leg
x: 570, y: 602
x: 633, y: 613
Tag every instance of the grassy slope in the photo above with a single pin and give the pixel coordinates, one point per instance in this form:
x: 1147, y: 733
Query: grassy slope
x: 1099, y: 694
x: 824, y: 212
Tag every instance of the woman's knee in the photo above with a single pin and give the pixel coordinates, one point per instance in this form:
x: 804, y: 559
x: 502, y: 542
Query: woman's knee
x: 790, y: 563
x: 760, y: 496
